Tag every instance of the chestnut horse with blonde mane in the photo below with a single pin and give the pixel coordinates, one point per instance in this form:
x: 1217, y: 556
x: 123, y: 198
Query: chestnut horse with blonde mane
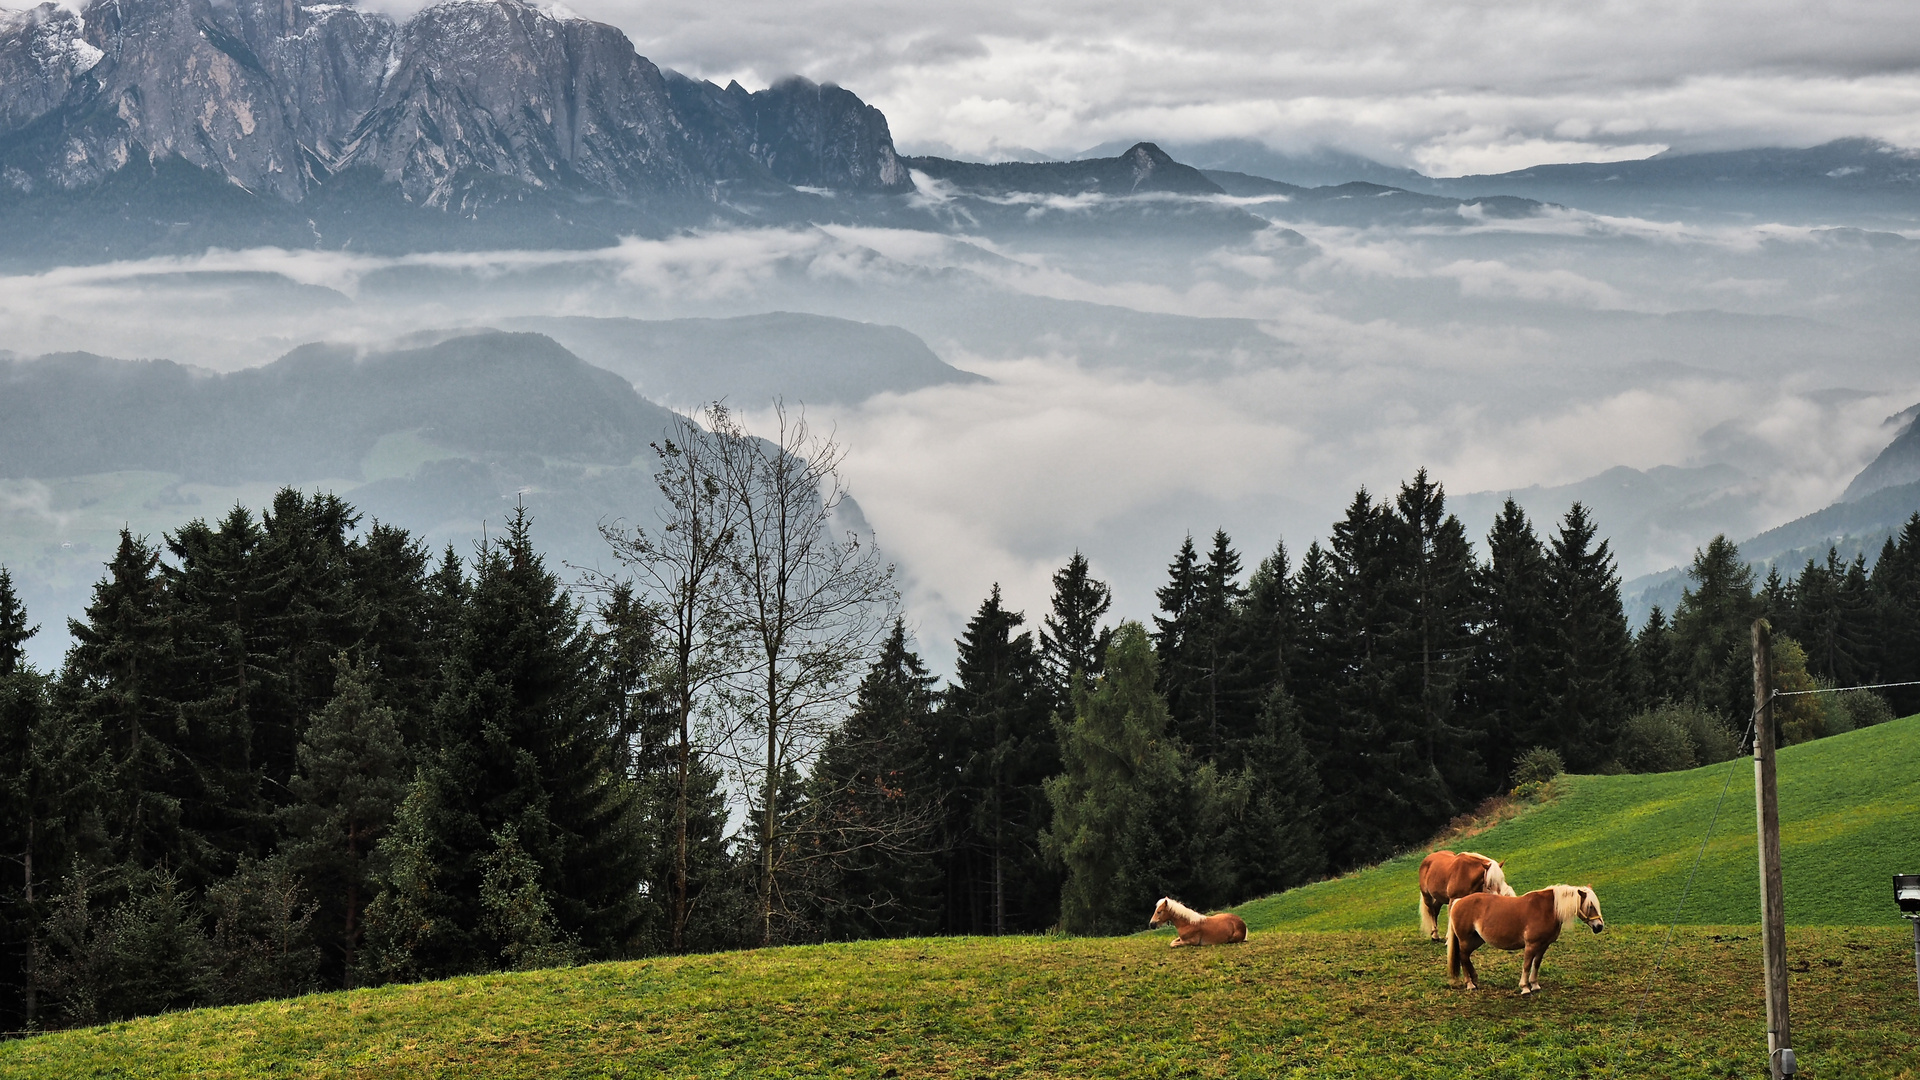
x: 1531, y: 922
x: 1192, y: 928
x: 1446, y: 876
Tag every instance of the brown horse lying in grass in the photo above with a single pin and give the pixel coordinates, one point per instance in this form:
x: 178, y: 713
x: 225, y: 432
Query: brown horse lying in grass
x: 1192, y: 928
x: 1531, y: 922
x: 1446, y: 876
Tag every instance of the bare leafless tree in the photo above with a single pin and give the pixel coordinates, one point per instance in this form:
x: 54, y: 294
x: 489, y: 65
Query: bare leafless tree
x: 811, y: 602
x: 682, y: 567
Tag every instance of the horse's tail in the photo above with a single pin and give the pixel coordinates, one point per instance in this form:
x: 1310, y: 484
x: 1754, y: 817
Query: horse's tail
x: 1427, y: 921
x: 1453, y: 945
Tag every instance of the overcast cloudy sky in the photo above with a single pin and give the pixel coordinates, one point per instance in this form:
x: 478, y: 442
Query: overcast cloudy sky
x: 1449, y: 86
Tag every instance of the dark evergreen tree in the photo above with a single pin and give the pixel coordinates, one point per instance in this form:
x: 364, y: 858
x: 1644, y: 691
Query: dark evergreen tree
x: 347, y: 784
x: 1777, y: 597
x: 1196, y: 647
x: 521, y: 742
x: 1261, y: 640
x: 999, y: 745
x: 1589, y: 687
x: 1438, y: 642
x: 309, y: 612
x: 1316, y: 669
x: 1121, y: 775
x: 1180, y: 600
x: 391, y: 600
x: 49, y: 764
x: 1274, y: 842
x: 14, y: 631
x: 1712, y: 633
x: 221, y: 684
x: 1654, y: 679
x: 1361, y: 763
x: 1835, y: 619
x: 118, y: 675
x: 876, y: 799
x: 1072, y: 641
x: 1508, y: 686
x: 1896, y: 595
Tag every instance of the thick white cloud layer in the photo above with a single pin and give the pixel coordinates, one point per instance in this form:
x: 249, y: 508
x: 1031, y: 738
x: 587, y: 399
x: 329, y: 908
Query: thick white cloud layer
x: 1451, y: 86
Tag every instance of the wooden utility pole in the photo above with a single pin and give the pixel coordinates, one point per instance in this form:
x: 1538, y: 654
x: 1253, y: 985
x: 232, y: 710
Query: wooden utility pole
x: 1766, y: 804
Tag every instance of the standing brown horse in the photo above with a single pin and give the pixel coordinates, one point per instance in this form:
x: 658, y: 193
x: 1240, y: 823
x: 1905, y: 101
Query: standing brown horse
x: 1531, y: 922
x: 1192, y: 928
x: 1446, y: 876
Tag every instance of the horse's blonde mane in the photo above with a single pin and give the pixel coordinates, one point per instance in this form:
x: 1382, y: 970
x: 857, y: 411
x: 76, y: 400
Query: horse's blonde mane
x: 1566, y: 902
x: 1181, y: 911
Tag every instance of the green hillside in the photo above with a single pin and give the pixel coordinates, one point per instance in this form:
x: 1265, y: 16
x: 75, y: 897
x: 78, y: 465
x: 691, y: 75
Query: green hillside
x: 1363, y: 995
x: 1335, y: 1005
x: 1849, y: 820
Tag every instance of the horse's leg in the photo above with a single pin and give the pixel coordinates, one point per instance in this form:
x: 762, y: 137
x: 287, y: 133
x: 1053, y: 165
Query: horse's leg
x: 1470, y: 941
x: 1530, y: 973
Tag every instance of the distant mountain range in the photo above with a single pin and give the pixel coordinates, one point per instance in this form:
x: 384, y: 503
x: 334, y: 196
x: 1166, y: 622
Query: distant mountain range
x: 1845, y: 174
x: 1874, y: 506
x: 748, y: 360
x: 141, y: 126
x: 138, y: 122
x: 317, y: 412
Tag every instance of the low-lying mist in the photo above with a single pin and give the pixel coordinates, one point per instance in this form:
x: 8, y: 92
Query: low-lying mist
x: 1139, y: 383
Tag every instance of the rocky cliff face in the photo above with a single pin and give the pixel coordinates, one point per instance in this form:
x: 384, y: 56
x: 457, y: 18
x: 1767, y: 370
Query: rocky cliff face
x: 42, y: 52
x: 277, y: 96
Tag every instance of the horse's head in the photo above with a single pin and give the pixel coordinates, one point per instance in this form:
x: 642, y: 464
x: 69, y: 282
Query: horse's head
x: 1497, y: 879
x: 1162, y: 914
x: 1588, y: 910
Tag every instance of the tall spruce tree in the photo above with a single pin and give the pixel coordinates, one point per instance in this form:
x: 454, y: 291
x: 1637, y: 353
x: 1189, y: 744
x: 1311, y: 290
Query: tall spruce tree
x: 876, y: 802
x: 521, y: 740
x: 1712, y: 650
x: 1834, y: 618
x: 347, y: 785
x: 1180, y: 600
x: 1589, y: 687
x: 1072, y: 641
x: 1196, y: 646
x: 1274, y: 843
x: 14, y: 630
x: 119, y: 675
x: 1654, y: 678
x: 1896, y: 595
x: 1510, y: 678
x: 220, y: 687
x: 309, y: 613
x: 49, y: 769
x: 1438, y: 640
x: 1262, y: 637
x: 1122, y: 773
x: 996, y: 734
x: 390, y: 583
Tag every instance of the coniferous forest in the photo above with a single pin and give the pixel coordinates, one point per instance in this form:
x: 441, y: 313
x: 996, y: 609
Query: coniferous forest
x: 296, y: 750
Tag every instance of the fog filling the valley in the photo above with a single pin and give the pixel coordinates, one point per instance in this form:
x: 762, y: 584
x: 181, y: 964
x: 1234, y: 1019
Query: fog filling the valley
x: 1137, y: 388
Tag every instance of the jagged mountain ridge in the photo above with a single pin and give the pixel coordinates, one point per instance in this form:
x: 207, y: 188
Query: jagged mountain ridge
x: 277, y: 97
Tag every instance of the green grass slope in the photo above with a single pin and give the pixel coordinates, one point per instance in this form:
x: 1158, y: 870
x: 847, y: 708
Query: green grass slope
x: 1324, y: 1005
x: 1849, y: 820
x: 1335, y: 981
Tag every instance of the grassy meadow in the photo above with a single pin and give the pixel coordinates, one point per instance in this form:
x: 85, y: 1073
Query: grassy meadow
x: 1336, y: 980
x: 1849, y: 821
